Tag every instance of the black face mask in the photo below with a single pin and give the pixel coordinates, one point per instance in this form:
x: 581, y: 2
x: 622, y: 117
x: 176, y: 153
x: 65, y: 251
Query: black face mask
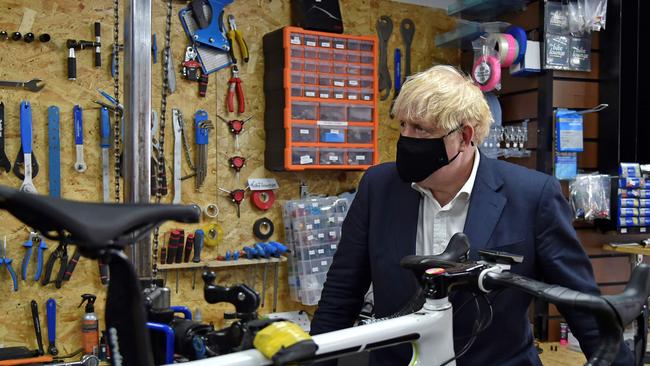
x: 419, y: 158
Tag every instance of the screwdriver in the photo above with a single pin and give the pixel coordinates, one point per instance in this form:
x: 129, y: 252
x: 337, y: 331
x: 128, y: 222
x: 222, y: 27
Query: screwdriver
x: 179, y: 252
x: 198, y: 246
x: 189, y: 243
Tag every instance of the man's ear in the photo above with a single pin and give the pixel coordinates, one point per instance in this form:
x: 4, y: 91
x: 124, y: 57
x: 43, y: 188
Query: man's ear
x: 467, y: 134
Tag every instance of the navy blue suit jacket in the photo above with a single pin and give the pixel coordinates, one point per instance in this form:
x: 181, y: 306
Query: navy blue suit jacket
x: 511, y: 209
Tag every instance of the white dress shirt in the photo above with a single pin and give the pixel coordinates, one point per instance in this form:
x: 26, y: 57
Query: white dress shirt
x: 436, y: 225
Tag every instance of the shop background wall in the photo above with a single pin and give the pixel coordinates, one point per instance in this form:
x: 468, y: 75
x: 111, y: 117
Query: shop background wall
x: 74, y: 19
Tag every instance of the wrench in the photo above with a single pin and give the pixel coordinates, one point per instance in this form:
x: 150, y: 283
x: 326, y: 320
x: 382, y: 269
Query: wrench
x: 178, y: 141
x: 31, y: 85
x: 4, y: 161
x: 26, y: 143
x: 54, y: 149
x: 80, y: 165
x: 86, y: 360
x: 50, y: 309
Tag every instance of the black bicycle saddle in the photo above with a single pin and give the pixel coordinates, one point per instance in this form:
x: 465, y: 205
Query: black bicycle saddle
x: 92, y: 226
x: 456, y: 252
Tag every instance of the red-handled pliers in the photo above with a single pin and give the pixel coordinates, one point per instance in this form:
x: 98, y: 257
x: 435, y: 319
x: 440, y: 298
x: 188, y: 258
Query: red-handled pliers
x: 234, y: 86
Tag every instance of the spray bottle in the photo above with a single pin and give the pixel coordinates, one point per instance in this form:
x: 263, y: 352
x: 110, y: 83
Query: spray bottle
x: 90, y: 325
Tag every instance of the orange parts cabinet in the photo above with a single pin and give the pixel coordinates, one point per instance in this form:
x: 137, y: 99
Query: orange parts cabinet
x: 321, y: 100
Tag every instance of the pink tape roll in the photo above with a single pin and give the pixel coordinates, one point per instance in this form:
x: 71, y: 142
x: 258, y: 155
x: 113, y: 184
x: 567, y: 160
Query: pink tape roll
x: 512, y: 52
x: 487, y: 72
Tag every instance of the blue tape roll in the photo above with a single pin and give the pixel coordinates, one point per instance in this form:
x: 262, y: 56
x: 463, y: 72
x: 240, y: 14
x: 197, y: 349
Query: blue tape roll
x: 495, y: 108
x: 520, y: 36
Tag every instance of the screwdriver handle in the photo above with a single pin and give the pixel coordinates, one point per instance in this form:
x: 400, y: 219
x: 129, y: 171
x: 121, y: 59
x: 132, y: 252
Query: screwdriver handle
x: 103, y: 271
x: 180, y: 239
x: 198, y: 245
x: 72, y: 264
x: 37, y: 327
x: 171, y: 247
x: 189, y: 243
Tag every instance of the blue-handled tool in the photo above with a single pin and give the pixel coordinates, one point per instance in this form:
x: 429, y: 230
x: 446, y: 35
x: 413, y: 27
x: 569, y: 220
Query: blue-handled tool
x: 154, y: 48
x: 54, y: 146
x: 50, y: 310
x: 26, y: 146
x: 105, y: 144
x: 210, y: 26
x: 80, y: 164
x: 397, y: 71
x: 202, y: 127
x: 34, y: 241
x: 4, y: 261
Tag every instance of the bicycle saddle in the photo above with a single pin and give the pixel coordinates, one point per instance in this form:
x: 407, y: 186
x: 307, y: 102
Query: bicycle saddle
x: 90, y: 225
x: 456, y: 252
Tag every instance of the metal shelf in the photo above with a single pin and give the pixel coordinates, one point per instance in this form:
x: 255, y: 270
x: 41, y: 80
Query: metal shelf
x: 481, y: 10
x: 466, y: 31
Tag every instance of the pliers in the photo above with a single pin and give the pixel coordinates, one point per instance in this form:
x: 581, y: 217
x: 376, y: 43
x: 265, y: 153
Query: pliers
x: 236, y: 34
x: 234, y: 86
x: 61, y: 252
x: 34, y: 240
x: 4, y: 261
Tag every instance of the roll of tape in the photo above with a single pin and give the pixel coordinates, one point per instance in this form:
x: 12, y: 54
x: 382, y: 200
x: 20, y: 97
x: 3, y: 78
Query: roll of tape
x: 520, y: 36
x: 263, y: 228
x: 507, y: 48
x: 487, y: 72
x: 263, y: 199
x: 213, y: 234
x: 211, y: 210
x: 495, y: 108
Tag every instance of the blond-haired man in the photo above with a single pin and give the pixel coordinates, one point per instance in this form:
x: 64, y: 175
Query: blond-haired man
x: 440, y: 184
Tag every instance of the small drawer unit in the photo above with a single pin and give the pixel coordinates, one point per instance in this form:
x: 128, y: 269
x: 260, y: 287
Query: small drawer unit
x: 320, y: 110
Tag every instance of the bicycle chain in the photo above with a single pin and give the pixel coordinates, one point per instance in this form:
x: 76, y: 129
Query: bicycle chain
x: 161, y: 133
x: 186, y: 144
x: 116, y: 92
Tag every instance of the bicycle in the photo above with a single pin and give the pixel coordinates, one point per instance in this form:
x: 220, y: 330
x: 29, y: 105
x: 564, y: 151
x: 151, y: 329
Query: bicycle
x: 426, y: 322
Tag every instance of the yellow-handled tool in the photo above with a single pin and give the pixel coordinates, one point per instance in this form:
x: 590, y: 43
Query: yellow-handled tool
x: 233, y: 35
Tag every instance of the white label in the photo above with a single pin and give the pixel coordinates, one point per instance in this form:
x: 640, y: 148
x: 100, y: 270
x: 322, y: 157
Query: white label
x: 333, y: 246
x: 353, y: 82
x: 338, y: 95
x: 325, y: 44
x: 323, y: 263
x: 310, y: 93
x: 301, y: 205
x: 306, y: 159
x: 324, y: 95
x: 314, y: 204
x: 321, y: 251
x: 310, y: 238
x: 339, y: 83
x: 332, y: 233
x: 335, y: 132
x: 311, y: 43
x: 317, y: 222
x: 366, y: 97
x: 331, y: 219
x: 309, y: 227
x: 321, y: 236
x: 352, y: 96
x: 312, y: 252
x: 295, y: 40
x: 361, y: 157
x: 315, y: 269
x: 304, y: 132
x: 331, y: 123
x: 340, y: 46
x: 334, y: 158
x: 341, y: 218
x: 262, y: 184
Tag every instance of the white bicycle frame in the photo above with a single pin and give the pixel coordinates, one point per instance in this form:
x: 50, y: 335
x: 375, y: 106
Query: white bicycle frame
x: 429, y: 330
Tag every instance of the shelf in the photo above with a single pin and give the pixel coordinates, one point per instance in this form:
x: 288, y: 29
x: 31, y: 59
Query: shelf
x: 241, y: 262
x: 628, y: 248
x: 484, y: 9
x: 466, y: 31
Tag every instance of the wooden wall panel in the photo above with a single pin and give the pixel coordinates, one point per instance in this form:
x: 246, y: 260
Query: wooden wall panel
x: 512, y: 84
x: 574, y: 94
x: 588, y: 159
x: 590, y: 125
x: 528, y: 19
x: 519, y: 106
x: 64, y: 19
x: 593, y: 74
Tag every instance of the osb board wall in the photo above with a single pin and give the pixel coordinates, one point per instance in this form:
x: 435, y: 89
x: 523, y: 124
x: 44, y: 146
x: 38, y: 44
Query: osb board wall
x: 64, y: 19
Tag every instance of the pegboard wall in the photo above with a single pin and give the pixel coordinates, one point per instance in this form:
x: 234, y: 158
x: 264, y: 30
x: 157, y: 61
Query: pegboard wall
x: 73, y: 19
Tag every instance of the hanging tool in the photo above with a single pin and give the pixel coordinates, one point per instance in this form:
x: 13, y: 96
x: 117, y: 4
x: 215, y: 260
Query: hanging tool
x: 34, y: 240
x: 384, y: 29
x: 32, y: 85
x: 208, y: 15
x: 203, y: 85
x: 235, y: 87
x: 72, y: 264
x: 236, y: 34
x: 191, y: 68
x: 154, y: 49
x: 50, y: 311
x: 105, y: 144
x: 407, y: 29
x: 54, y: 148
x: 37, y: 327
x: 4, y: 261
x: 264, y: 272
x: 236, y: 127
x: 198, y: 247
x: 98, y: 45
x: 80, y: 164
x: 189, y: 244
x: 103, y: 270
x: 202, y: 129
x: 73, y: 46
x: 237, y: 163
x: 26, y: 146
x: 236, y: 196
x: 171, y: 73
x: 4, y: 161
x: 178, y: 130
x: 397, y: 72
x: 158, y: 171
x: 115, y: 50
x: 275, y: 286
x: 61, y: 254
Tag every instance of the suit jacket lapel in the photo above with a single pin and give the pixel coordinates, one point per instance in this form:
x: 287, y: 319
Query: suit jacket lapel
x: 485, y: 206
x: 404, y: 228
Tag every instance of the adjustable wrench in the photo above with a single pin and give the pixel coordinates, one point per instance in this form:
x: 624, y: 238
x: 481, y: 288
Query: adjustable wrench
x: 105, y: 144
x: 178, y: 141
x: 26, y: 143
x: 4, y: 161
x: 80, y: 165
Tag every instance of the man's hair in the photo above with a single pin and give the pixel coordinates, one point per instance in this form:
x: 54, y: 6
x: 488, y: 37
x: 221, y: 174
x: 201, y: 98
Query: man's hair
x: 444, y: 96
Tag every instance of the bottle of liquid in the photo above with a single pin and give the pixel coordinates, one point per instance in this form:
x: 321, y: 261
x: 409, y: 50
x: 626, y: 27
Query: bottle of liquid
x: 90, y: 325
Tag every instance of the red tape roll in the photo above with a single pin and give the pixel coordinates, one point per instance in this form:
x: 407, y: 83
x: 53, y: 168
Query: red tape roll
x: 263, y: 199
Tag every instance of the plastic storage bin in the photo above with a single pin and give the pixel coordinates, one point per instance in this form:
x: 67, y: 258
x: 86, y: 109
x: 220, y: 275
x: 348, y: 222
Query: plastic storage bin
x: 353, y: 70
x: 367, y: 94
x: 366, y: 58
x: 352, y: 93
x: 311, y: 91
x: 338, y: 93
x: 296, y: 39
x: 338, y: 81
x: 297, y: 51
x: 331, y: 156
x: 311, y: 40
x: 365, y: 46
x: 366, y: 70
x: 324, y: 41
x: 325, y: 67
x: 332, y: 134
x: 354, y: 44
x: 353, y: 56
x: 366, y: 82
x: 309, y: 78
x: 303, y: 155
x: 296, y: 77
x: 359, y: 113
x: 339, y: 43
x: 332, y: 112
x: 304, y: 110
x: 297, y: 65
x: 359, y: 135
x: 339, y: 56
x: 296, y: 91
x: 338, y: 68
x: 325, y: 54
x: 325, y: 92
x: 324, y: 80
x: 359, y: 156
x: 304, y: 133
x: 310, y: 53
x: 311, y: 66
x: 353, y: 81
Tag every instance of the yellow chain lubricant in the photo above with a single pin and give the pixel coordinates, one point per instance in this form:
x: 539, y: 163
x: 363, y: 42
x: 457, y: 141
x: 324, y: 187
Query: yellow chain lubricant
x: 278, y: 336
x: 213, y: 235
